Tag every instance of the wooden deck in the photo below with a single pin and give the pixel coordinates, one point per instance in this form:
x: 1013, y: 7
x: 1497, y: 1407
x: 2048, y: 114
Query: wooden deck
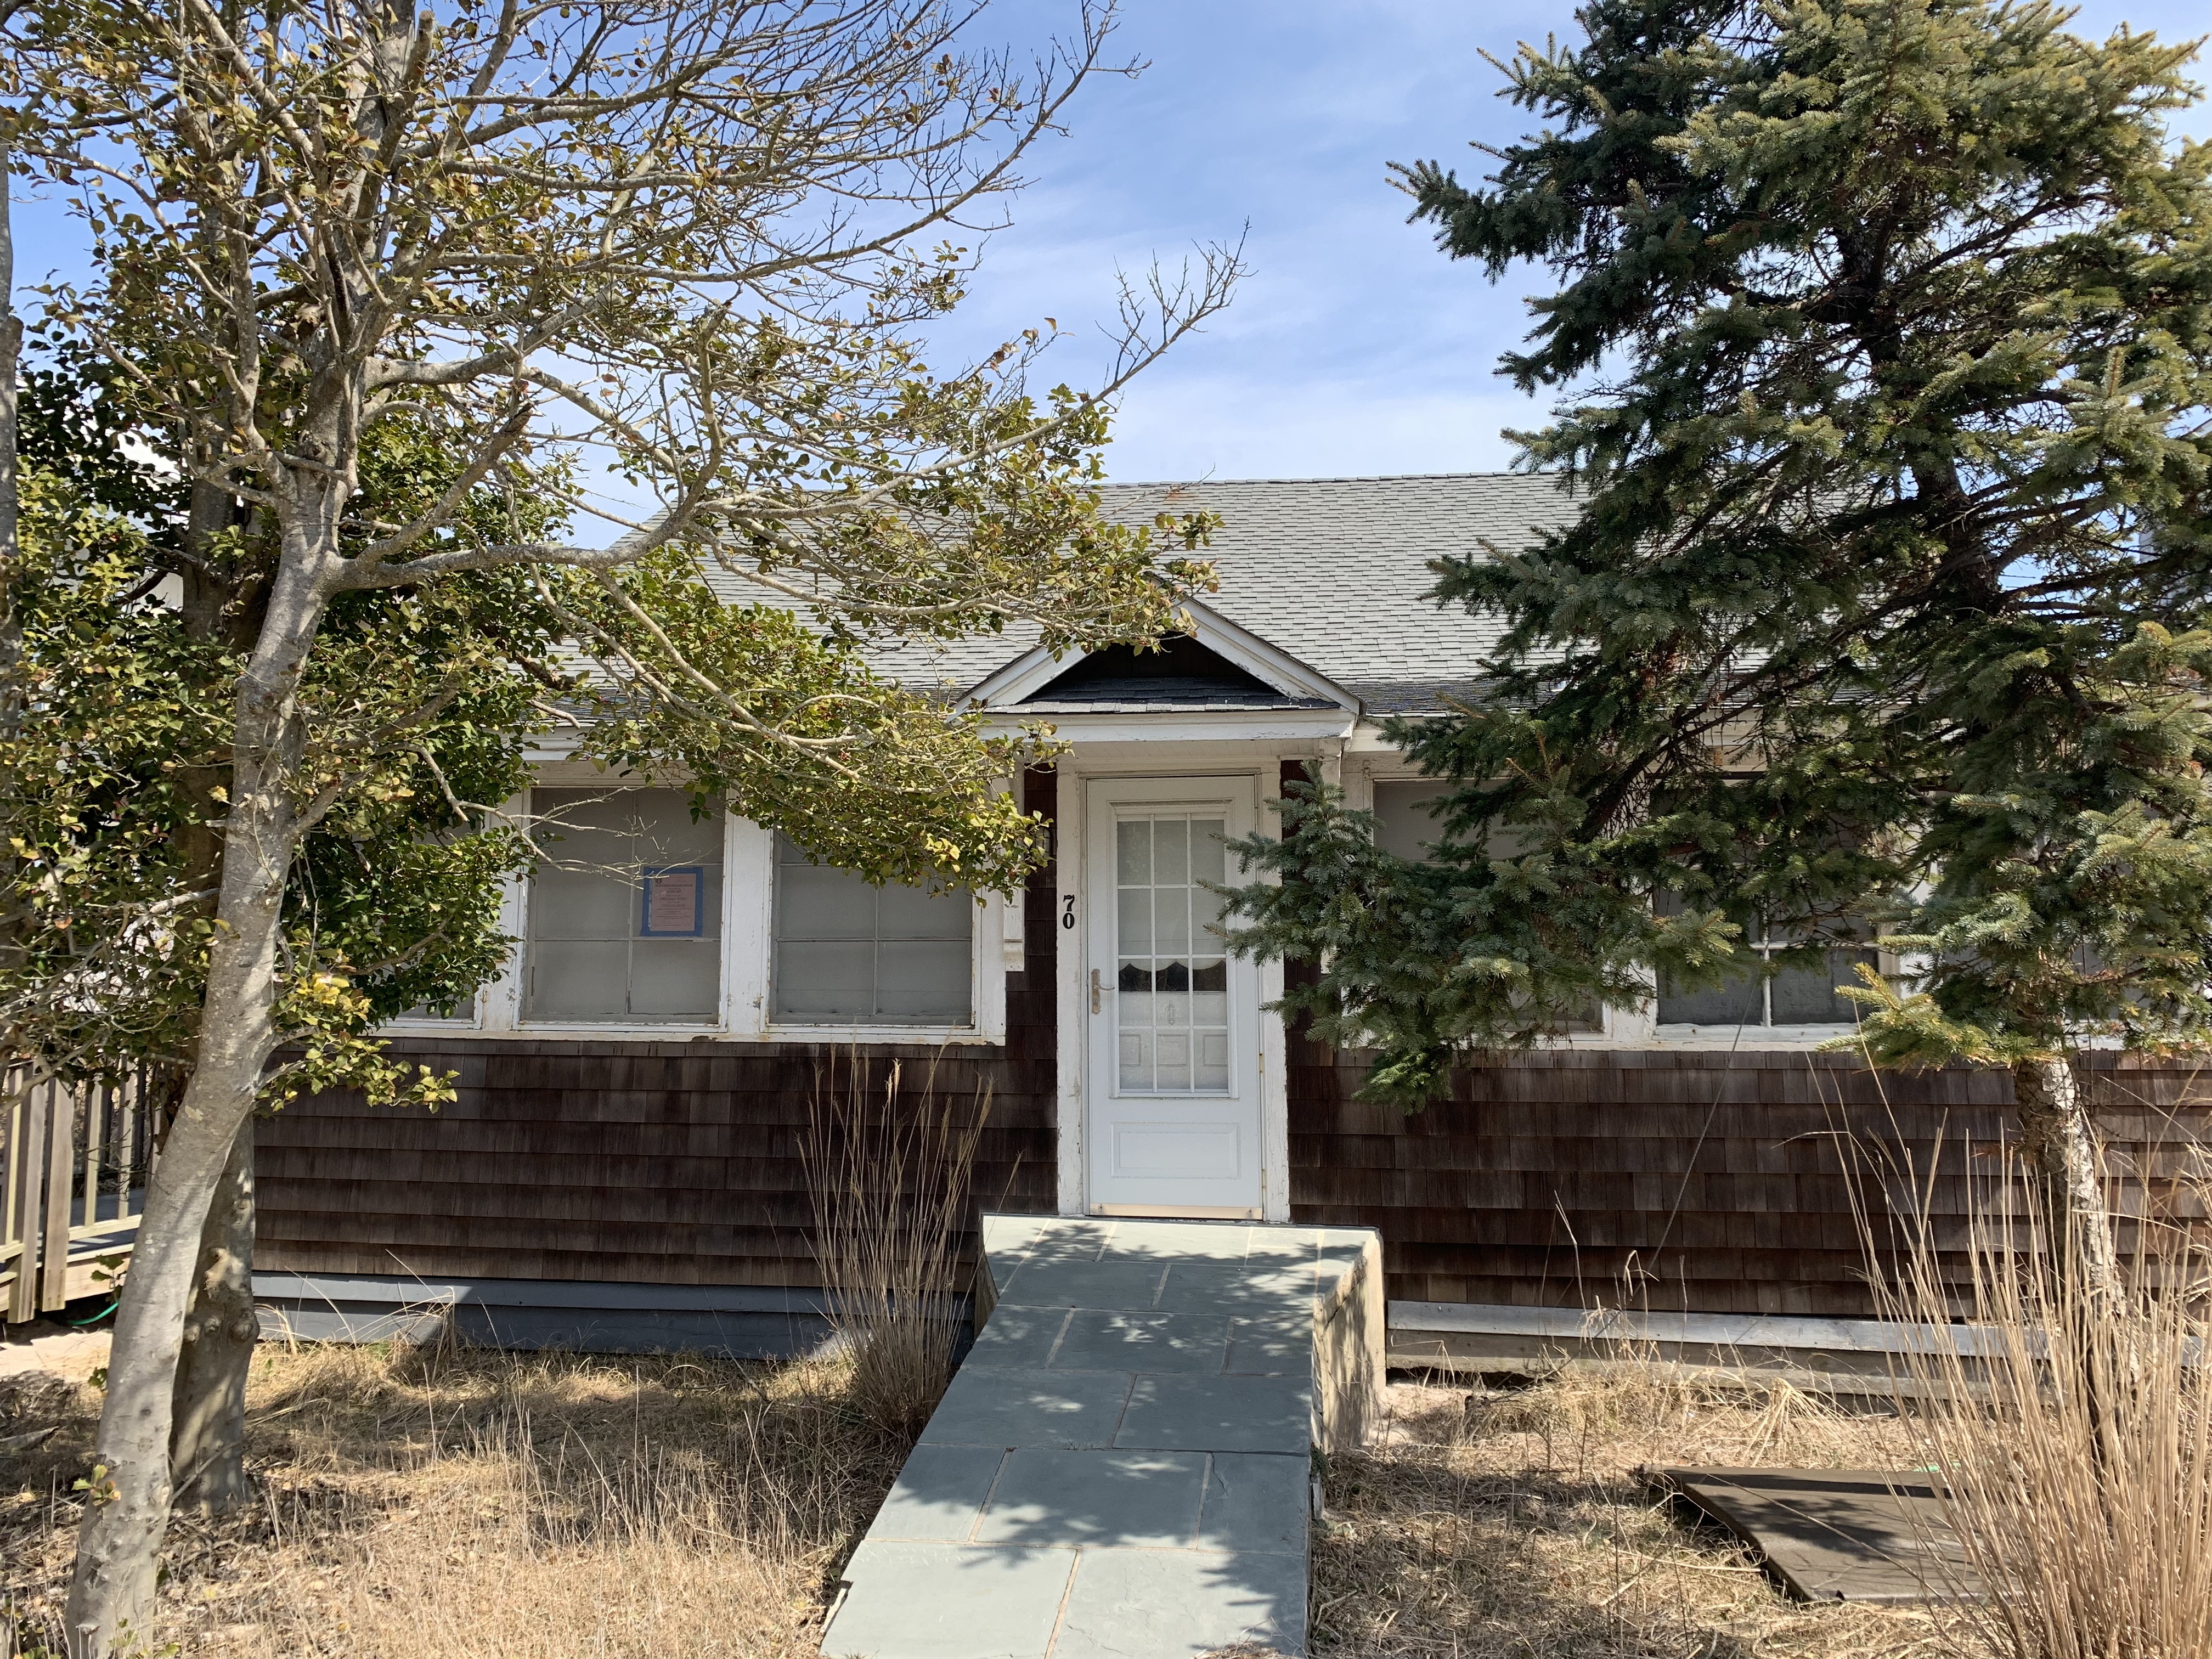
x: 73, y: 1164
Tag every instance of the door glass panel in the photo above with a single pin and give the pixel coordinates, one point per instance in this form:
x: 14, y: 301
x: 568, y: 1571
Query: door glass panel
x: 1172, y: 1006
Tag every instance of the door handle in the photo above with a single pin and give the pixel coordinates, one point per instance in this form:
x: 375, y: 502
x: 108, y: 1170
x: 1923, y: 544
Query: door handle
x: 1095, y: 988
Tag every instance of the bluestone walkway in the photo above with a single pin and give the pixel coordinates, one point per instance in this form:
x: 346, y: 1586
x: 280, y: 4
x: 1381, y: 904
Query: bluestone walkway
x: 1123, y: 1464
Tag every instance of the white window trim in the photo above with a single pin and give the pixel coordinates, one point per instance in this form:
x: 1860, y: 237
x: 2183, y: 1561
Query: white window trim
x: 1747, y: 1037
x: 748, y: 900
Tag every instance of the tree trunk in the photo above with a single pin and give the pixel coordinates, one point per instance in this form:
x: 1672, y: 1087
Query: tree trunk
x: 127, y: 1507
x: 11, y: 346
x: 2061, y: 1147
x: 127, y: 1513
x: 207, y: 1445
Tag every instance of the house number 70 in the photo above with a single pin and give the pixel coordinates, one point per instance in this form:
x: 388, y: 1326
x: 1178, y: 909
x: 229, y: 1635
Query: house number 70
x: 1067, y: 910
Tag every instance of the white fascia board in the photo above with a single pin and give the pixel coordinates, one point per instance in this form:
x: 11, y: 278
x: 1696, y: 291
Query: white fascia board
x: 1284, y: 724
x: 1035, y: 669
x: 1367, y: 738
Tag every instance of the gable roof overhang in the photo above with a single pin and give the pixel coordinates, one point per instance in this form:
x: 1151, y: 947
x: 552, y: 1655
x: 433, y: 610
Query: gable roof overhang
x: 1305, y: 690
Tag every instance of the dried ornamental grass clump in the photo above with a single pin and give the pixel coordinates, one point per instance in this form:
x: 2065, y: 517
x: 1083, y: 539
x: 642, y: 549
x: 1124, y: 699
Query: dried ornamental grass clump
x: 2073, y: 1430
x: 890, y: 1182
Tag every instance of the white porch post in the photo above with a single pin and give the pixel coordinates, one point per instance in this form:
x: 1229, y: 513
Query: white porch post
x: 1071, y: 951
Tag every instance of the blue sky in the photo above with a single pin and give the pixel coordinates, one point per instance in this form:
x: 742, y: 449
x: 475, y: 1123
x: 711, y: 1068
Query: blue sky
x: 1355, y: 347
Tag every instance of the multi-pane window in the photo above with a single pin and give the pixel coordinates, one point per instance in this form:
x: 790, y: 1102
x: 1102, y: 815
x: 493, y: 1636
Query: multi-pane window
x: 850, y: 954
x: 1171, y: 976
x: 1799, y: 993
x: 463, y: 1013
x: 625, y: 916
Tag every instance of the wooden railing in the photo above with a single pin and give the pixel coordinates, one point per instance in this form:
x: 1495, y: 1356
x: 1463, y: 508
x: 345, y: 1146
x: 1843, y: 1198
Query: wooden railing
x: 73, y: 1167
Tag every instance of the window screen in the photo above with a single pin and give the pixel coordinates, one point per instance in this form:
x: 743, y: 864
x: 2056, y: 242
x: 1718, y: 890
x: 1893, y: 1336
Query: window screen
x: 850, y: 954
x: 625, y: 918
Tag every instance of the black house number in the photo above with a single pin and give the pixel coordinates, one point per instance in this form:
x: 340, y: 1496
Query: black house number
x: 1067, y: 910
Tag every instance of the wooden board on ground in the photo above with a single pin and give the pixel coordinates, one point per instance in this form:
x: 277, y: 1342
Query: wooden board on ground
x: 1836, y: 1535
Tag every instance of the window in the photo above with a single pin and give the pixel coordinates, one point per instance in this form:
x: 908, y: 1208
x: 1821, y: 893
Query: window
x: 1402, y: 820
x: 625, y: 918
x: 1405, y: 817
x: 1797, y: 996
x: 850, y: 954
x: 463, y: 1013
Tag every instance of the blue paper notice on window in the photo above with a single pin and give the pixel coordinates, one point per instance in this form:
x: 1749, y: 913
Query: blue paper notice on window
x: 675, y: 903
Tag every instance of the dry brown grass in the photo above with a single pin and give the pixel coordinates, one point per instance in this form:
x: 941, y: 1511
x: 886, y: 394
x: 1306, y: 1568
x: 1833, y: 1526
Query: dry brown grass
x: 1513, y: 1526
x: 480, y: 1505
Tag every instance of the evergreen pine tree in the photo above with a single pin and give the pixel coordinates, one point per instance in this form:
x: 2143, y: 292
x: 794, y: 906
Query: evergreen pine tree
x: 1879, y: 594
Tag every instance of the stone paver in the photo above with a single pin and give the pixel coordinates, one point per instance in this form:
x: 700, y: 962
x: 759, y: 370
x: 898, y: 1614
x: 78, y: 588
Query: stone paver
x: 1122, y: 1467
x: 1019, y: 1336
x: 939, y: 1494
x: 1013, y: 1406
x: 1176, y: 1604
x: 1271, y: 1347
x: 1125, y: 1282
x: 1097, y: 1340
x: 1218, y: 1414
x: 1256, y: 1502
x: 950, y: 1601
x: 1046, y: 1495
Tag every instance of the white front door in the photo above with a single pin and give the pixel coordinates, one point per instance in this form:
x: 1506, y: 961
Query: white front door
x: 1172, y: 1124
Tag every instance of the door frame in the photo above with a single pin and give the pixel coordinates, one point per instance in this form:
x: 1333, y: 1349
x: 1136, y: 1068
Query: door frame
x: 1072, y: 904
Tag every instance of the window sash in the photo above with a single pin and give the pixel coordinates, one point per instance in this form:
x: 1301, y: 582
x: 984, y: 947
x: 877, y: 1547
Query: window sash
x: 593, y: 954
x: 844, y: 954
x: 1795, y: 996
x: 1404, y: 820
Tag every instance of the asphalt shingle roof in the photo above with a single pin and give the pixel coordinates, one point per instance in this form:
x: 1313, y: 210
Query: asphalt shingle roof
x: 1331, y: 570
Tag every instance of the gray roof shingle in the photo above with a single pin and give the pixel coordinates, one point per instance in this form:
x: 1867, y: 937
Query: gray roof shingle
x: 1331, y: 570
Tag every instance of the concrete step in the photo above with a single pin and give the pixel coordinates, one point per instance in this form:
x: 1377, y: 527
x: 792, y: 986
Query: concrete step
x: 1123, y: 1465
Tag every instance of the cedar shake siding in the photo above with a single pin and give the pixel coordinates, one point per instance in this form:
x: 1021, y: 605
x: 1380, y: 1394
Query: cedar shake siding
x: 1690, y: 1182
x: 662, y: 1163
x: 1719, y: 1181
x: 1545, y: 1180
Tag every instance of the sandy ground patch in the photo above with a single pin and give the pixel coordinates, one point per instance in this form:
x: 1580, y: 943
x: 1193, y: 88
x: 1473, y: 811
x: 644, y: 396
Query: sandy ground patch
x: 74, y: 1355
